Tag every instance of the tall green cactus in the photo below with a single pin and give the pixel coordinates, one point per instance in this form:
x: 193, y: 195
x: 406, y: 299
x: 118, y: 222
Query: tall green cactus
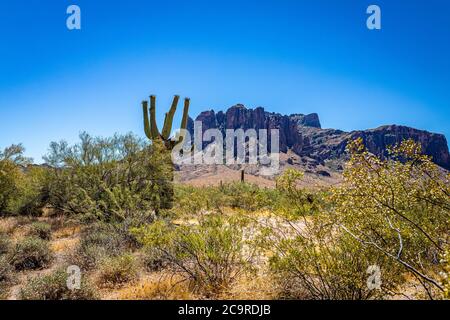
x: 151, y: 128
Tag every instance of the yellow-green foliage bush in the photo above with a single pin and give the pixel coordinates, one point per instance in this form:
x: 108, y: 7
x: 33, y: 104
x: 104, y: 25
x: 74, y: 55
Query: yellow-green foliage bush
x: 398, y: 206
x: 318, y: 264
x: 446, y: 274
x: 296, y: 201
x: 54, y: 287
x: 20, y: 184
x: 118, y: 270
x: 209, y: 255
x: 30, y: 253
x: 244, y: 196
x: 10, y: 180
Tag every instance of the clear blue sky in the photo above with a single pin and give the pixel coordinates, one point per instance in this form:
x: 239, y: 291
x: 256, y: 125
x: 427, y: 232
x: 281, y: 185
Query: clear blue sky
x: 294, y: 56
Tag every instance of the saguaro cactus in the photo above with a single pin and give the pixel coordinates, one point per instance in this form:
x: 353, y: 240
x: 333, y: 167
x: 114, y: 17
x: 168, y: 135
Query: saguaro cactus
x: 151, y: 131
x: 151, y: 128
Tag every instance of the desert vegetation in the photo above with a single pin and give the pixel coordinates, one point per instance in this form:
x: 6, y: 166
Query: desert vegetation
x: 101, y: 205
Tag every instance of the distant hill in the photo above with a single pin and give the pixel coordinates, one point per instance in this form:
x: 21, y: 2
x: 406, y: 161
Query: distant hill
x: 305, y: 145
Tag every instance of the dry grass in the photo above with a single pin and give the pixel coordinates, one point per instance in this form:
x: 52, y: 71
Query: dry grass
x: 64, y: 245
x: 8, y: 225
x: 157, y: 287
x: 66, y: 232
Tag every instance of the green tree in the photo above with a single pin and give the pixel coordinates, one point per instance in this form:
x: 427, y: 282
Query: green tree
x: 110, y: 179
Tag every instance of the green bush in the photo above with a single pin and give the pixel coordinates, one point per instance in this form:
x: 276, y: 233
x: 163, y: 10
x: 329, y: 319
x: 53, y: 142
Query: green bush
x: 54, y: 287
x: 31, y: 253
x: 210, y: 255
x: 40, y: 230
x: 98, y: 241
x: 249, y: 197
x: 330, y: 268
x: 152, y: 259
x: 118, y: 270
x: 21, y: 185
x: 399, y: 206
x: 108, y: 179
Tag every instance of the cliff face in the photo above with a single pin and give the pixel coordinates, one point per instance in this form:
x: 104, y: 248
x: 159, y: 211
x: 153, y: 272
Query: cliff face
x: 303, y: 135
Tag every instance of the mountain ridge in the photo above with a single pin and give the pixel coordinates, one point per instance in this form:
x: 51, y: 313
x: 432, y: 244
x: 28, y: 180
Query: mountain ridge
x: 304, y: 136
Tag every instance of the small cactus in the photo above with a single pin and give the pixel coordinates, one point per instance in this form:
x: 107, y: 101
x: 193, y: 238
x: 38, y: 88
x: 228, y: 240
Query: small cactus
x: 151, y: 128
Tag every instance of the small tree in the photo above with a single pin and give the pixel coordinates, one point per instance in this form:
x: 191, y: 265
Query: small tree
x: 13, y: 178
x: 110, y: 179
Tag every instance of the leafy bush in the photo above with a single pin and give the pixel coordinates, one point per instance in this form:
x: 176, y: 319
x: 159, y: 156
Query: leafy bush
x: 98, y: 241
x: 249, y: 197
x: 398, y: 206
x: 20, y: 184
x: 117, y: 270
x: 11, y: 176
x: 40, y: 230
x: 210, y: 255
x: 54, y: 287
x: 108, y: 179
x: 295, y: 201
x: 317, y: 265
x: 152, y: 259
x: 30, y: 253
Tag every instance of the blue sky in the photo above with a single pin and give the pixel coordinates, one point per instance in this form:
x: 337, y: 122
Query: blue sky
x: 297, y: 56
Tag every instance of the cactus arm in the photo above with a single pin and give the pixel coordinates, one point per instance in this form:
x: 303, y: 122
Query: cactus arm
x: 184, y: 120
x: 154, y: 127
x: 169, y: 118
x: 146, y: 122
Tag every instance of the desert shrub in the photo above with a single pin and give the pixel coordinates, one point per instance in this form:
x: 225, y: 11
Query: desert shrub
x: 152, y: 259
x: 446, y: 274
x: 108, y: 179
x: 117, y: 270
x: 30, y: 253
x: 5, y: 269
x: 6, y: 276
x: 5, y: 243
x: 54, y: 287
x: 249, y: 197
x: 40, y: 230
x: 11, y: 176
x: 33, y: 195
x: 209, y: 255
x: 296, y: 201
x: 318, y: 265
x: 98, y: 241
x: 398, y: 206
x: 21, y: 185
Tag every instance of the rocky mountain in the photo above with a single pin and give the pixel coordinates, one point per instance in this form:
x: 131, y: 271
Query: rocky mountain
x: 302, y: 137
